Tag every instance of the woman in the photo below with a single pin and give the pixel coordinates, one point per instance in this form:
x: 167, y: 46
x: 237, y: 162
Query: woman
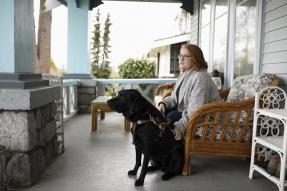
x: 193, y: 88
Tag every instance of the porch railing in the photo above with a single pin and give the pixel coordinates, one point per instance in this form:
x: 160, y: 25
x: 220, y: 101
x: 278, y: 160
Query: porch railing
x: 70, y: 101
x: 145, y: 86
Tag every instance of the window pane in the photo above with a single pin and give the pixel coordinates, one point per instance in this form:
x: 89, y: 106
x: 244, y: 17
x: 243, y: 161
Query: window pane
x: 204, y: 42
x: 205, y: 28
x: 205, y: 12
x: 220, y: 43
x: 220, y: 36
x: 221, y: 8
x: 174, y: 62
x: 245, y: 36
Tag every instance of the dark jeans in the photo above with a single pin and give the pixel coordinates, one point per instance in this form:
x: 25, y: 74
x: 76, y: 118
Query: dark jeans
x: 173, y: 115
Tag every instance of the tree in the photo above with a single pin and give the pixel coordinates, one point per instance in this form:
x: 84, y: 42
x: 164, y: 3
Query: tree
x: 100, y: 65
x: 96, y: 44
x: 43, y: 46
x: 106, y: 40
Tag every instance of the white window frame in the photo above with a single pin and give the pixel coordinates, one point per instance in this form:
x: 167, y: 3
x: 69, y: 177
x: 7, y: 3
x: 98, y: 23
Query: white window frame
x: 231, y: 27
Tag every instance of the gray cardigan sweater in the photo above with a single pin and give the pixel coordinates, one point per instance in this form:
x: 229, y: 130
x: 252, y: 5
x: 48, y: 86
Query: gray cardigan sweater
x: 197, y: 88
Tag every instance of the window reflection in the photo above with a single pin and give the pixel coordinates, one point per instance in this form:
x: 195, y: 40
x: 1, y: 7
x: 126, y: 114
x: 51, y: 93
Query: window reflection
x: 205, y: 28
x: 205, y: 12
x: 221, y: 8
x: 204, y: 42
x: 245, y: 35
x: 220, y: 36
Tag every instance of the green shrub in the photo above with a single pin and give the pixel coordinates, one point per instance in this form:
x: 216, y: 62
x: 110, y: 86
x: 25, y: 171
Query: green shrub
x: 101, y: 72
x: 133, y: 68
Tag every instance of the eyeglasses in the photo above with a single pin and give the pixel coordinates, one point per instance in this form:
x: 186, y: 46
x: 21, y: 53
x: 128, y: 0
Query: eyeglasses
x: 183, y: 56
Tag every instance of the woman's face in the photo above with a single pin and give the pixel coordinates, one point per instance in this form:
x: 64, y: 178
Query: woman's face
x: 185, y: 62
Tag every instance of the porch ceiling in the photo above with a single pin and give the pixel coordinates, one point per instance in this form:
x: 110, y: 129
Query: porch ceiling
x: 186, y: 4
x: 158, y: 1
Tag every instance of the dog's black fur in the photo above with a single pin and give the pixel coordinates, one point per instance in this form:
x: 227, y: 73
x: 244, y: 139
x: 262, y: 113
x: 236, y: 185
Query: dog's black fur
x: 160, y: 147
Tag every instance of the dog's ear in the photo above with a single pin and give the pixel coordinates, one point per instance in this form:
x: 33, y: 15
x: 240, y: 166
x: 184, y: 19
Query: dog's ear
x: 138, y: 106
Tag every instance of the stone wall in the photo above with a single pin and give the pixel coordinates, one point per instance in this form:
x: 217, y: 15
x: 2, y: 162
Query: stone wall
x: 2, y: 169
x: 30, y: 141
x: 86, y: 94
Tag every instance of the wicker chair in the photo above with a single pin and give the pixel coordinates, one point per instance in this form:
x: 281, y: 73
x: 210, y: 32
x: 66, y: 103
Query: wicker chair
x: 221, y: 128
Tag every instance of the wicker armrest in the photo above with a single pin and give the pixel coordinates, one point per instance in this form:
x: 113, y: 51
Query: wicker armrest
x: 164, y: 89
x: 218, y: 114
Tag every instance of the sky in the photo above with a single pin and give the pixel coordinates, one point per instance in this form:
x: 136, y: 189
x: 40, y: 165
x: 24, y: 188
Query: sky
x: 135, y: 25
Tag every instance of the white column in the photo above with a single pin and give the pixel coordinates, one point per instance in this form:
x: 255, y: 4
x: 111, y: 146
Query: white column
x: 17, y: 36
x: 78, y: 38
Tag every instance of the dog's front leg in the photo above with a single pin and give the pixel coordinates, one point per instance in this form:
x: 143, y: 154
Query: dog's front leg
x: 140, y: 180
x: 138, y: 163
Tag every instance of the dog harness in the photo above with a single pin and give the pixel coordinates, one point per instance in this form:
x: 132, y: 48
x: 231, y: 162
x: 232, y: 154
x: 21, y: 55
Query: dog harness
x: 160, y: 125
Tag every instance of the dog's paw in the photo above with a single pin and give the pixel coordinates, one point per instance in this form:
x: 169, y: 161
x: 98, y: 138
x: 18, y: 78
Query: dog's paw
x: 132, y: 172
x: 139, y: 182
x: 167, y: 176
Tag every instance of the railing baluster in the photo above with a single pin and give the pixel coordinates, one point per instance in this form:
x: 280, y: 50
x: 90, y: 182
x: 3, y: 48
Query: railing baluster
x: 131, y: 84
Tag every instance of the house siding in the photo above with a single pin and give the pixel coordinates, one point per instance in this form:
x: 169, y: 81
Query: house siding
x: 274, y: 52
x: 194, y: 24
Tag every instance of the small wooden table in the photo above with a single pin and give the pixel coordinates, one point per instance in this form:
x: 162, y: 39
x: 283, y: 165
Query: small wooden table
x: 100, y: 105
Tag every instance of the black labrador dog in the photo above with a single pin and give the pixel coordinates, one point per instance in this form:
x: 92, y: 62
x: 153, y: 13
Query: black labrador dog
x: 151, y: 136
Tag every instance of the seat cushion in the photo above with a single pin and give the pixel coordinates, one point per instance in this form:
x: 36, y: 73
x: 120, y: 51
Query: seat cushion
x: 245, y: 87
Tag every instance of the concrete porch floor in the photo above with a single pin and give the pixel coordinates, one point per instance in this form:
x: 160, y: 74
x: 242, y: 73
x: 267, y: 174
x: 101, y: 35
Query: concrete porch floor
x: 99, y: 162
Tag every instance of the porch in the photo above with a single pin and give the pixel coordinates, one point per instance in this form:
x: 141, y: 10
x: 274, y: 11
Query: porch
x: 100, y: 161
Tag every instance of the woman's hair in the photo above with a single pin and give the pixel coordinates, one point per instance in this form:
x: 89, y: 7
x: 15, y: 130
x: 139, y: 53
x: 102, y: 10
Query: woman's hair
x: 196, y: 56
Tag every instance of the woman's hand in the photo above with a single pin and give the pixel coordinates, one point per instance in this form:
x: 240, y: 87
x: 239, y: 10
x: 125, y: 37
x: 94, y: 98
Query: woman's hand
x: 177, y: 134
x: 161, y: 107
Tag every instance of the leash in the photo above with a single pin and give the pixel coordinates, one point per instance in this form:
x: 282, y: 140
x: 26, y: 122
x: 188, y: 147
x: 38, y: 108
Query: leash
x: 160, y: 125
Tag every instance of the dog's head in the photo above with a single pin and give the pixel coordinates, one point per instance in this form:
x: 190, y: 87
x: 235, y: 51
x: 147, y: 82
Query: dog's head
x: 134, y: 106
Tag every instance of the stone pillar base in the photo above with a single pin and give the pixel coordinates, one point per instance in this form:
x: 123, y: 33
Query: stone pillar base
x: 28, y: 132
x: 3, y: 186
x: 87, y: 90
x: 25, y: 169
x: 21, y: 80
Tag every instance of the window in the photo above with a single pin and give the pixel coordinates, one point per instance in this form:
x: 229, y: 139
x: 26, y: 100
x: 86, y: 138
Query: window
x: 245, y: 36
x: 222, y: 22
x: 213, y: 35
x: 205, y: 28
x: 174, y: 52
x: 220, y: 36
